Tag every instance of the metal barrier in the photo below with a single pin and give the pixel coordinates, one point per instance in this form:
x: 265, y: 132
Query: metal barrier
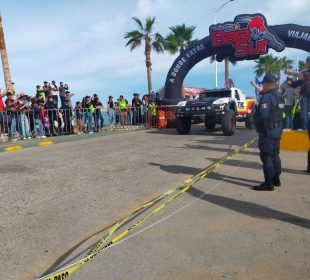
x: 15, y: 125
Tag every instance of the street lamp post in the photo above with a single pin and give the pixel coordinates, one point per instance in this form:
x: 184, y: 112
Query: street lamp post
x: 216, y: 10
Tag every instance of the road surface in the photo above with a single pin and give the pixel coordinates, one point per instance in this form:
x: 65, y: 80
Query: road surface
x: 56, y: 201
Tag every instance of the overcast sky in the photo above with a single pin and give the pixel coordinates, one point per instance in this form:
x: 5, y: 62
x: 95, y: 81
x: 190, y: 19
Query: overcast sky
x: 81, y: 41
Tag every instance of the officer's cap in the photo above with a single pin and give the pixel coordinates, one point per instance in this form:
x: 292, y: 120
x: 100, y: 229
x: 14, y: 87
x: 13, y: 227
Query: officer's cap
x: 269, y: 78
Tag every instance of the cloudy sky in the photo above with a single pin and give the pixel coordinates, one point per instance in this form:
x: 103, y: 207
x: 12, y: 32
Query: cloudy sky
x: 81, y: 41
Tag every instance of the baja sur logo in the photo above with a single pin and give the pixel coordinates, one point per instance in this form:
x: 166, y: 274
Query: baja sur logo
x: 247, y: 34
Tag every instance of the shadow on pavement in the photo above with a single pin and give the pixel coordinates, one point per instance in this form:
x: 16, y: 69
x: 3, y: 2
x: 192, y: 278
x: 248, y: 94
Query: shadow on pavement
x: 250, y: 209
x: 216, y: 149
x: 178, y: 169
x: 256, y: 165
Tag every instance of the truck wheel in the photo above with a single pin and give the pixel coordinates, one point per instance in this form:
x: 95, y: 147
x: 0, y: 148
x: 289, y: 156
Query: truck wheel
x: 249, y: 120
x: 210, y: 124
x: 183, y: 125
x: 229, y: 123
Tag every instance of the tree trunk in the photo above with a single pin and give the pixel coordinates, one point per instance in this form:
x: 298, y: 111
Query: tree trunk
x: 226, y: 72
x: 5, y: 62
x: 148, y: 63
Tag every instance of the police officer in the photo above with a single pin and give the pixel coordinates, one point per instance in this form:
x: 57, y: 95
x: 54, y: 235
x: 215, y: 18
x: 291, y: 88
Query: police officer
x: 269, y: 125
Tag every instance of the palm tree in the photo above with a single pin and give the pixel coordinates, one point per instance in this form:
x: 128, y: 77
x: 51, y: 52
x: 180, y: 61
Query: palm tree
x: 301, y: 65
x: 271, y: 64
x: 213, y: 58
x: 180, y: 38
x: 284, y: 63
x: 152, y: 41
x: 267, y: 64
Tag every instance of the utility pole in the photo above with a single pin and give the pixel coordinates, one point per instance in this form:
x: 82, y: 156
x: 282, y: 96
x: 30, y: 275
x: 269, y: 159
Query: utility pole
x: 5, y: 61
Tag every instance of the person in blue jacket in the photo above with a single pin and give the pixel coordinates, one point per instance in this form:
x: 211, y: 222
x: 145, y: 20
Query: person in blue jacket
x: 268, y: 121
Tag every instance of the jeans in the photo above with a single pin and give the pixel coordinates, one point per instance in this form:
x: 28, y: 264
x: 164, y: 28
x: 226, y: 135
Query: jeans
x: 24, y: 125
x: 304, y: 111
x: 89, y: 117
x: 12, y: 126
x: 135, y: 117
x: 288, y: 117
x: 38, y: 128
x: 99, y: 121
x: 111, y: 116
x: 1, y: 122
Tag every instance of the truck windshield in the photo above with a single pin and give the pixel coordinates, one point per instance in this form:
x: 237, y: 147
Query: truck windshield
x: 214, y: 94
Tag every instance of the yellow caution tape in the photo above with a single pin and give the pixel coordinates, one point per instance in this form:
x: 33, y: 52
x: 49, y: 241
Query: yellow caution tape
x: 103, y: 245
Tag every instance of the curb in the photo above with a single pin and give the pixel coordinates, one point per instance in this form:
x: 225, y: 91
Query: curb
x: 13, y: 148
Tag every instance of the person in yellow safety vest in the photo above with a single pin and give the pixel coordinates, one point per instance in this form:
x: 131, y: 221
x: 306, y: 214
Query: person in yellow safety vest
x: 153, y: 112
x: 40, y: 92
x: 122, y: 105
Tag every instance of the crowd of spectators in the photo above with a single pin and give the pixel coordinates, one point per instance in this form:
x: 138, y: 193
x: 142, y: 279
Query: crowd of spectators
x: 51, y: 112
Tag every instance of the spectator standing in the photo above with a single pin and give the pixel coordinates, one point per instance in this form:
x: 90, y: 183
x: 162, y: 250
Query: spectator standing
x: 110, y: 110
x: 54, y: 91
x: 117, y: 113
x: 47, y: 89
x: 153, y: 113
x: 79, y: 117
x: 122, y: 105
x: 51, y: 108
x: 23, y: 107
x: 40, y: 92
x: 145, y: 104
x: 304, y: 83
x: 289, y: 95
x: 89, y: 110
x: 11, y: 115
x: 136, y: 109
x: 2, y: 115
x: 99, y: 121
x: 38, y: 125
x: 66, y: 111
x: 62, y: 92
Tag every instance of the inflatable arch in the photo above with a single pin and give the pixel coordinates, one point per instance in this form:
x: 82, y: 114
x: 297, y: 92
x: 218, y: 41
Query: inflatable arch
x: 245, y: 38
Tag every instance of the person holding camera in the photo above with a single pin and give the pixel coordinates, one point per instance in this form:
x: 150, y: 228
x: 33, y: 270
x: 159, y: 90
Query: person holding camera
x: 62, y: 92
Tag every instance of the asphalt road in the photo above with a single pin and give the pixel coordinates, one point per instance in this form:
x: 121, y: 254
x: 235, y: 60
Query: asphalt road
x: 56, y: 201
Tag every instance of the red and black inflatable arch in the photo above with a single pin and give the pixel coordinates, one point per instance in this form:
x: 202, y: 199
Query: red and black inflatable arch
x: 245, y: 38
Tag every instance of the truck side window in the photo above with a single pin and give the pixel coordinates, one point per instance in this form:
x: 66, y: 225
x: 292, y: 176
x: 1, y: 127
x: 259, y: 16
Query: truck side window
x: 237, y: 96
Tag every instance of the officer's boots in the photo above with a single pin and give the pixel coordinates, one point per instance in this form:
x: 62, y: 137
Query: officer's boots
x: 277, y: 182
x: 268, y: 185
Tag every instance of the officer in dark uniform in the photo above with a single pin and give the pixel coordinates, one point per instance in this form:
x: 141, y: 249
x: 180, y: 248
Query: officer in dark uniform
x: 269, y: 125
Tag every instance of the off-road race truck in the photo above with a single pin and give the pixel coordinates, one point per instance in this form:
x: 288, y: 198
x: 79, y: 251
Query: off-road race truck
x: 218, y: 106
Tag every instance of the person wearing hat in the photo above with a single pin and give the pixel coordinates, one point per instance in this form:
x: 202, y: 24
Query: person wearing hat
x: 269, y: 125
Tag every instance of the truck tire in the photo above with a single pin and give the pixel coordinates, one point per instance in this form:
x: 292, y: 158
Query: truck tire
x: 183, y: 125
x: 229, y: 123
x: 210, y: 124
x: 249, y: 120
